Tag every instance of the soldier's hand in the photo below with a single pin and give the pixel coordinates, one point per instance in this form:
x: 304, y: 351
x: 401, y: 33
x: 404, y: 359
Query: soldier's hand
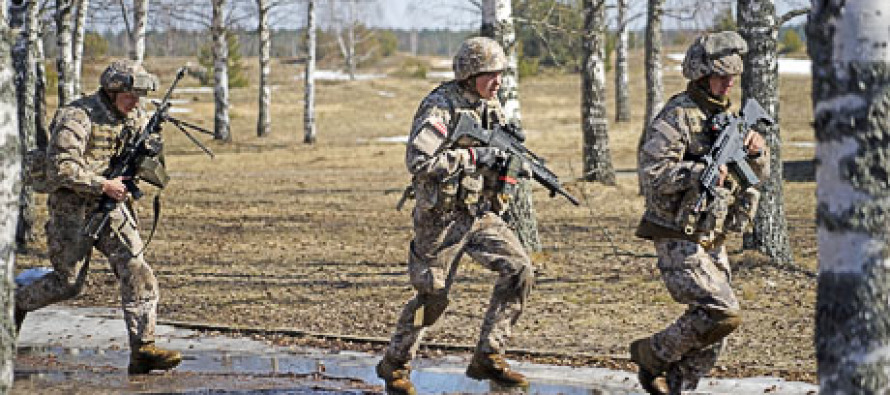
x: 487, y: 156
x: 115, y: 188
x: 724, y: 171
x: 754, y: 143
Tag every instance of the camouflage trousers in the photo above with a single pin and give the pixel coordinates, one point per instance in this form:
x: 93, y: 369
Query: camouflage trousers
x: 435, y: 252
x: 69, y: 253
x: 698, y: 278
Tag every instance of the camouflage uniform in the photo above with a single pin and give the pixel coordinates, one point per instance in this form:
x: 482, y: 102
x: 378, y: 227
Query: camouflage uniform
x: 456, y: 212
x: 85, y: 135
x: 691, y: 257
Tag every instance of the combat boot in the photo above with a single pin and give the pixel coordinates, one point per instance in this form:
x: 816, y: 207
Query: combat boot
x: 651, y: 369
x: 19, y: 319
x: 148, y: 357
x: 397, y: 377
x: 494, y: 367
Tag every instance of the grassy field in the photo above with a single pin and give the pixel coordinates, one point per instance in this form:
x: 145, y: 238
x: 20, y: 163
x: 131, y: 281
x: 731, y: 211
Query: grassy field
x: 277, y: 234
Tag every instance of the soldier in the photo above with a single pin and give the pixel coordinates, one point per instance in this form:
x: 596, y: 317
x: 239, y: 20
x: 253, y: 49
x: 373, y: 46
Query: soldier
x: 86, y: 134
x: 694, y: 267
x: 457, y: 212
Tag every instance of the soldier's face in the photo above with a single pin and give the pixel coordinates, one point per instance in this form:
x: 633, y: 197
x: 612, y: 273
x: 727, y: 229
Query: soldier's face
x: 487, y: 84
x: 126, y: 101
x: 721, y: 84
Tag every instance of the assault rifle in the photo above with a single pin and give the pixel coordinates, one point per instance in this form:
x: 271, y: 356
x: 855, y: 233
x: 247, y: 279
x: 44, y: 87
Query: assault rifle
x: 729, y: 149
x: 501, y: 137
x: 136, y: 160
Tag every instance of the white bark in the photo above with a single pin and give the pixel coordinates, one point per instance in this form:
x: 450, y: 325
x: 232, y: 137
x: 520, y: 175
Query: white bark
x: 137, y: 37
x: 64, y: 61
x: 220, y: 73
x: 850, y: 47
x: 309, y: 80
x: 760, y: 81
x: 80, y: 21
x: 497, y: 23
x: 23, y: 62
x: 654, y: 84
x: 265, y: 94
x: 596, y: 154
x: 10, y: 184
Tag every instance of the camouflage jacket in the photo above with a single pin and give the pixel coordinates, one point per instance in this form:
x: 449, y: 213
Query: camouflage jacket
x: 670, y: 168
x: 85, y: 135
x: 445, y: 175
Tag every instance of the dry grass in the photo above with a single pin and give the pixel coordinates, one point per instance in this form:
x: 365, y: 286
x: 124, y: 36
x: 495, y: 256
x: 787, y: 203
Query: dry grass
x: 275, y: 233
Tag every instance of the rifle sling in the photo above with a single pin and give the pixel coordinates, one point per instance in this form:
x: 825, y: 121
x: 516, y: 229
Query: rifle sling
x: 156, y: 208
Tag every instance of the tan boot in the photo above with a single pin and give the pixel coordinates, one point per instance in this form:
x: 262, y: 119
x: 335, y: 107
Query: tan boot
x: 148, y: 357
x: 494, y: 367
x: 651, y: 368
x: 397, y: 377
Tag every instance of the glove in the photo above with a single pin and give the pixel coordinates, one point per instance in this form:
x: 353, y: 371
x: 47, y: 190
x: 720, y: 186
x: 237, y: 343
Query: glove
x: 487, y: 156
x: 153, y: 146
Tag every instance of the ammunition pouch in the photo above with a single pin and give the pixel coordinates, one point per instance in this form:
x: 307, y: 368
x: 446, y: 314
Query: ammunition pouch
x: 151, y: 170
x: 711, y: 219
x: 741, y: 213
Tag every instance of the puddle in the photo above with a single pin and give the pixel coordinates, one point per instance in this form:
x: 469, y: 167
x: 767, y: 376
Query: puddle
x: 46, y: 359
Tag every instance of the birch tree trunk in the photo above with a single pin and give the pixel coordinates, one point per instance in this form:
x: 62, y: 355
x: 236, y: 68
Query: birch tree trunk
x: 594, y: 124
x: 309, y: 78
x: 23, y: 60
x: 849, y: 45
x: 263, y: 123
x: 220, y: 73
x: 41, y: 129
x: 140, y: 18
x: 64, y: 61
x: 654, y: 84
x: 622, y: 105
x: 497, y: 23
x: 10, y: 185
x: 760, y: 81
x: 80, y: 21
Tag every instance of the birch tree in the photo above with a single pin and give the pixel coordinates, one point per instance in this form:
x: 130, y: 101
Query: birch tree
x: 597, y: 157
x: 263, y: 123
x: 654, y: 84
x: 758, y: 25
x: 10, y: 185
x: 622, y: 105
x: 220, y: 73
x: 497, y: 23
x: 80, y: 21
x: 23, y: 61
x: 64, y: 61
x: 849, y: 44
x: 309, y: 78
x: 137, y: 35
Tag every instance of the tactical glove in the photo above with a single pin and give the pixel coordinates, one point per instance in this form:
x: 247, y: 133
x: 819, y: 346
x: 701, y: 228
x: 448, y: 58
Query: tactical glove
x: 488, y: 156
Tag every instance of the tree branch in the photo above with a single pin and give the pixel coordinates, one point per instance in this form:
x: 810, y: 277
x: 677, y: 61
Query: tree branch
x: 791, y: 15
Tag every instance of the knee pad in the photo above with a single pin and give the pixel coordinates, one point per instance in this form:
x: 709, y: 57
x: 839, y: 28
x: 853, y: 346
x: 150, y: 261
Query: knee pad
x: 432, y: 306
x: 720, y: 324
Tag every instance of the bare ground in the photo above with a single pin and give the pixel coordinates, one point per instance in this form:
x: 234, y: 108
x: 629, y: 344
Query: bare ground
x: 277, y: 234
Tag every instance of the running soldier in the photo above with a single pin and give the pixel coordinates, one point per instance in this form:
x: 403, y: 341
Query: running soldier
x: 86, y: 134
x: 457, y: 211
x: 689, y: 244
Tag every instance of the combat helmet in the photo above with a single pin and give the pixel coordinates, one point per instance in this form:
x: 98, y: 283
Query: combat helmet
x: 478, y: 55
x: 127, y: 76
x: 715, y: 54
